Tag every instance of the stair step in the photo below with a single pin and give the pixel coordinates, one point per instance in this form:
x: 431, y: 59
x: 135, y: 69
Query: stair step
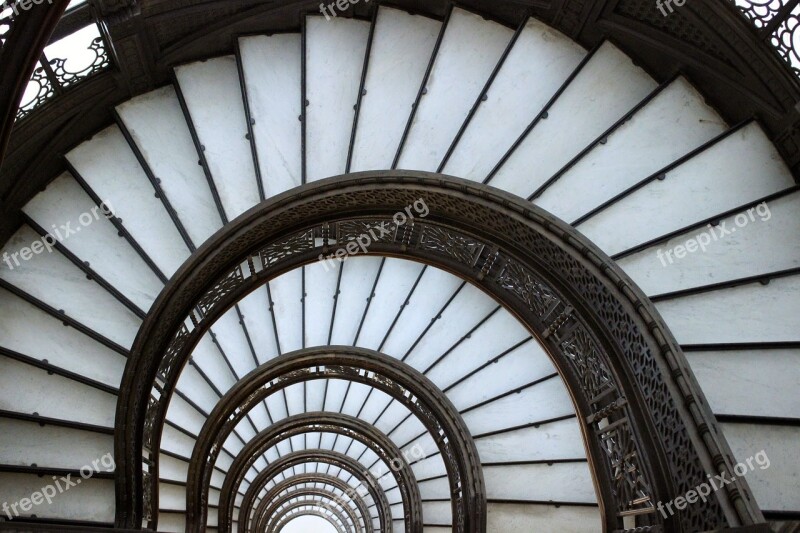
x: 334, y: 62
x: 559, y: 440
x: 606, y: 88
x: 394, y: 77
x: 99, y: 243
x: 534, y: 404
x: 540, y: 62
x: 749, y: 243
x: 80, y: 298
x: 213, y: 97
x: 27, y: 443
x: 273, y: 79
x: 90, y: 500
x: 132, y: 199
x: 469, y: 52
x: 63, y: 347
x: 769, y: 376
x: 158, y: 126
x: 517, y: 516
x: 727, y: 315
x: 774, y: 451
x: 720, y: 178
x: 560, y: 482
x: 669, y: 126
x: 22, y: 386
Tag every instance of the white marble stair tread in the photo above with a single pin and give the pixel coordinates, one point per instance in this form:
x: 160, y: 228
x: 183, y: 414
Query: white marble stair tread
x: 213, y: 96
x: 772, y: 451
x: 23, y: 386
x: 751, y: 242
x: 55, y: 280
x: 272, y: 75
x: 747, y: 313
x: 109, y: 167
x: 394, y: 77
x: 672, y: 124
x: 59, y: 345
x: 99, y: 243
x: 335, y: 52
x: 540, y: 62
x: 158, y: 127
x: 469, y: 52
x: 606, y: 88
x: 770, y: 378
x: 722, y: 177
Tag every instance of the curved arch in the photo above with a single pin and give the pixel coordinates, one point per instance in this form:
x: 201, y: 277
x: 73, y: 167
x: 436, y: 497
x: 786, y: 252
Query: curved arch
x: 337, y: 423
x: 408, y: 386
x: 648, y: 434
x: 325, y: 479
x: 285, y: 521
x: 332, y: 504
x: 339, y: 460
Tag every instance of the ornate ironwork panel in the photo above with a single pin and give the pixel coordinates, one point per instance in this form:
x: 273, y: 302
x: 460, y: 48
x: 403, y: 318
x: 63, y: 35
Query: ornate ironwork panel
x: 613, y: 352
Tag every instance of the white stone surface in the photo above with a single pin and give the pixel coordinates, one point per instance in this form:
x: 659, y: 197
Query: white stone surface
x: 81, y: 299
x: 158, y: 127
x: 272, y: 74
x: 540, y: 62
x: 335, y: 52
x: 739, y: 169
x: 394, y: 77
x: 743, y: 245
x: 606, y: 88
x: 108, y: 254
x: 748, y: 313
x: 671, y: 125
x: 121, y: 181
x: 469, y: 52
x: 213, y: 94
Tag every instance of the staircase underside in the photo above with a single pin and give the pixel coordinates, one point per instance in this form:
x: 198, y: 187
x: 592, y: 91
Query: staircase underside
x: 172, y: 298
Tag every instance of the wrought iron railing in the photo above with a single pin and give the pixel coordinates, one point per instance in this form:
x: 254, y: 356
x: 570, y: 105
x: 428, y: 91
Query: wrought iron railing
x: 777, y: 22
x: 54, y: 75
x: 58, y: 67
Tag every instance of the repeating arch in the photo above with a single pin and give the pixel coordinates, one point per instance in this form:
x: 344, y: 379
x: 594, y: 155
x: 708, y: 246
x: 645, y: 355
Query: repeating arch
x: 332, y: 458
x: 648, y: 436
x: 406, y: 385
x: 337, y: 423
x: 297, y: 513
x: 267, y: 516
x: 307, y: 512
x: 325, y: 480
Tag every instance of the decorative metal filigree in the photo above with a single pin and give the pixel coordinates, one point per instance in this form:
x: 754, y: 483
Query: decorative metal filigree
x: 40, y: 89
x: 786, y: 39
x: 456, y: 246
x: 613, y: 363
x: 100, y: 62
x: 630, y: 487
x: 56, y: 74
x: 761, y: 12
x: 777, y: 21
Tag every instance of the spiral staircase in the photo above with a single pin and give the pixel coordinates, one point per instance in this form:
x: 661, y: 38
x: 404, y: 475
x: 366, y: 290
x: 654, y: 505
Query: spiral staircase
x: 639, y: 167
